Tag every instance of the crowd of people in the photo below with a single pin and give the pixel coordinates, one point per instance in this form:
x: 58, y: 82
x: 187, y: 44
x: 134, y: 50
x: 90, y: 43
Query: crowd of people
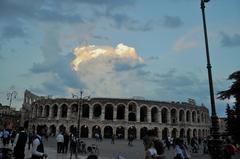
x: 153, y: 146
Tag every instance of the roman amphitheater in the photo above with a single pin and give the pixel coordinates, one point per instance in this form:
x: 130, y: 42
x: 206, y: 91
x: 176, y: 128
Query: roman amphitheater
x: 122, y: 117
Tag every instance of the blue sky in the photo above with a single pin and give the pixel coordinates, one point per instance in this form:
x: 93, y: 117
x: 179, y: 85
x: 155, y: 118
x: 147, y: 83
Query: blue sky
x: 153, y: 49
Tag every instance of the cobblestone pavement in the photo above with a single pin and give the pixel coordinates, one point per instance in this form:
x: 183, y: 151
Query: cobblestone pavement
x: 110, y: 151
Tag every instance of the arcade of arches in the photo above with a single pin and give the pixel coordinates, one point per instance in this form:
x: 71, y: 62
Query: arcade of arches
x: 121, y: 117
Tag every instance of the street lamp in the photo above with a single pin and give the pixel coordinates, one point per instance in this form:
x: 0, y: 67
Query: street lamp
x: 10, y: 96
x: 80, y: 102
x: 215, y: 143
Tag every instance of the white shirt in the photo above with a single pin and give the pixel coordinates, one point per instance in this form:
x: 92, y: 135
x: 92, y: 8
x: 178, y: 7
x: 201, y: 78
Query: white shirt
x: 36, y: 142
x: 178, y: 150
x: 60, y: 138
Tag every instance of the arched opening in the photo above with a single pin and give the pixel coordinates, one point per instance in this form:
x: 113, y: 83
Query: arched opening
x: 194, y: 133
x: 85, y: 111
x: 203, y: 133
x: 96, y: 129
x: 182, y: 133
x: 46, y: 111
x: 143, y: 114
x: 181, y: 116
x: 174, y: 116
x: 132, y: 109
x: 33, y: 129
x: 132, y: 131
x: 120, y: 112
x: 109, y: 112
x: 97, y: 110
x: 120, y: 132
x: 174, y: 133
x: 189, y: 131
x: 143, y: 132
x: 199, y: 133
x: 55, y: 111
x: 74, y: 111
x: 164, y: 113
x: 40, y: 109
x: 193, y: 116
x: 154, y: 114
x: 64, y: 110
x: 52, y: 130
x: 108, y: 132
x: 132, y: 117
x: 165, y: 134
x: 188, y: 116
x: 84, y: 131
x: 202, y: 118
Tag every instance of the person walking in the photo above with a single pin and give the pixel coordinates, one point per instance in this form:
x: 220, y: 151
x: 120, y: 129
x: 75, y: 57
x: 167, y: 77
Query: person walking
x: 66, y: 142
x: 60, y: 141
x: 20, y: 142
x: 38, y: 148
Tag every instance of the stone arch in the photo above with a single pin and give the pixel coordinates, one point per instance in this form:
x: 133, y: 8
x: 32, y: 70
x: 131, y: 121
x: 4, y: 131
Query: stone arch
x: 39, y: 112
x: 109, y: 112
x: 132, y: 110
x: 120, y: 112
x: 189, y: 135
x: 85, y: 110
x: 132, y: 131
x: 181, y: 115
x: 182, y: 133
x: 156, y: 129
x: 96, y: 129
x: 55, y: 111
x: 203, y: 133
x: 64, y: 109
x: 173, y: 116
x: 174, y: 133
x: 108, y: 132
x: 164, y: 114
x: 72, y: 129
x: 84, y: 131
x: 202, y: 118
x: 165, y: 132
x: 46, y: 111
x: 193, y: 116
x: 143, y: 114
x: 74, y: 110
x: 194, y: 132
x: 199, y: 133
x: 188, y: 116
x: 120, y: 132
x: 143, y: 132
x: 154, y: 114
x: 97, y: 110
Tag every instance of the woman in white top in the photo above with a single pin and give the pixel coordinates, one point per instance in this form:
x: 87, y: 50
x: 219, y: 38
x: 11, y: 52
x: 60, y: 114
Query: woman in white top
x: 151, y: 152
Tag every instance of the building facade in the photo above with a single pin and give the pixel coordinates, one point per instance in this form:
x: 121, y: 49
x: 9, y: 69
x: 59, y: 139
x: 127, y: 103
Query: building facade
x: 108, y: 116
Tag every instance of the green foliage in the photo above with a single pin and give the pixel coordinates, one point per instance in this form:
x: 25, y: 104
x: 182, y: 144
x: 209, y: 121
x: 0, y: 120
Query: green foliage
x: 233, y: 115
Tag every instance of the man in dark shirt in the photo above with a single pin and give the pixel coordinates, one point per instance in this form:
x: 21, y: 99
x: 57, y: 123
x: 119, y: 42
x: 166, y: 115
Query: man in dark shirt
x: 38, y: 148
x: 21, y: 140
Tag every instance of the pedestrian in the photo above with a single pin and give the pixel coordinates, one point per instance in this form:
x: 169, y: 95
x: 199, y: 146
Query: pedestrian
x: 66, y: 142
x: 30, y: 137
x: 151, y: 152
x: 113, y: 139
x: 20, y: 142
x: 180, y: 150
x: 73, y: 144
x: 60, y: 141
x: 6, y: 137
x: 38, y: 148
x: 229, y: 149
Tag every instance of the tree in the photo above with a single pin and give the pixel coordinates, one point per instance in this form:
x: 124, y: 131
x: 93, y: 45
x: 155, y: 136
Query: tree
x: 233, y: 91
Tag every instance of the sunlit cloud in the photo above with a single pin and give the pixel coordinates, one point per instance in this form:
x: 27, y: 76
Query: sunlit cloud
x: 121, y: 52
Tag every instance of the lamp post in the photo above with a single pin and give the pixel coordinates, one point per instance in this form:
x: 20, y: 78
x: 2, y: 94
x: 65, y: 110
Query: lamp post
x: 215, y: 142
x: 80, y: 102
x: 10, y: 95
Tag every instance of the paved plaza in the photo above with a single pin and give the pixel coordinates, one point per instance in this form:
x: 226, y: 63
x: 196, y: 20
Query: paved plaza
x: 110, y: 151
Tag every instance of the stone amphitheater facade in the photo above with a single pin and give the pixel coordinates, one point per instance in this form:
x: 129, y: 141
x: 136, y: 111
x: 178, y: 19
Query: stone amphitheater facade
x: 121, y: 117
